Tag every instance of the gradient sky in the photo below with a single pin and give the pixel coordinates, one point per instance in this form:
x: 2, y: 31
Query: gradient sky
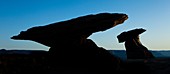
x: 152, y: 15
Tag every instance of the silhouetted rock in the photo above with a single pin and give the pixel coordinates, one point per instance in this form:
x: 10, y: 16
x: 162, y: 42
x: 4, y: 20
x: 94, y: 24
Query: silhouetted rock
x: 134, y: 48
x: 71, y: 30
x: 70, y: 48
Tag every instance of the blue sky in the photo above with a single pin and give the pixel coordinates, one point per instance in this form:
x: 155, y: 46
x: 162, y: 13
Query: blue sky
x: 152, y: 15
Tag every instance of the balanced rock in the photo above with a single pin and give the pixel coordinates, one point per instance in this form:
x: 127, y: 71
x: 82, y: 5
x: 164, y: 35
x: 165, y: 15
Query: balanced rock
x: 134, y: 48
x: 70, y: 48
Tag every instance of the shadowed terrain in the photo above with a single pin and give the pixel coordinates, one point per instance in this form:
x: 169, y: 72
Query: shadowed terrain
x: 31, y: 61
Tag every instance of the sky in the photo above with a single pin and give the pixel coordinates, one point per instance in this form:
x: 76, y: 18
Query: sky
x: 20, y: 15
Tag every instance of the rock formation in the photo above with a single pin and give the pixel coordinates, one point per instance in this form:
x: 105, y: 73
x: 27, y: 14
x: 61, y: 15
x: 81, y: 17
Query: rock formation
x: 134, y: 48
x: 71, y: 30
x: 70, y: 47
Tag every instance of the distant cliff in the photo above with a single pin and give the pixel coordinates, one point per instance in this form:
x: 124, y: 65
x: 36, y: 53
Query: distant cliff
x: 157, y: 54
x: 118, y: 53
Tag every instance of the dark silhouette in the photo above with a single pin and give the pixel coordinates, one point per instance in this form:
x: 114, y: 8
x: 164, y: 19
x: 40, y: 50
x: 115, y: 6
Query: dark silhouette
x: 70, y: 48
x: 72, y: 30
x: 134, y: 48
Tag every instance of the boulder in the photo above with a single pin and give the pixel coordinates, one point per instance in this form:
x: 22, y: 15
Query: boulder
x: 73, y: 30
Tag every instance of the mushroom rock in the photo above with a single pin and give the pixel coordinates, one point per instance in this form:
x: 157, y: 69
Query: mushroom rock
x: 69, y: 44
x: 134, y: 48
